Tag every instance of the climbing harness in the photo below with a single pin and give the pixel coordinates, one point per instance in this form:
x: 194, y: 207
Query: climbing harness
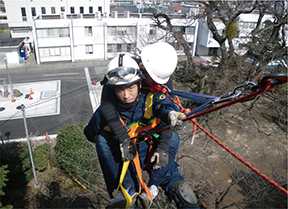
x: 265, y: 83
x: 147, y: 122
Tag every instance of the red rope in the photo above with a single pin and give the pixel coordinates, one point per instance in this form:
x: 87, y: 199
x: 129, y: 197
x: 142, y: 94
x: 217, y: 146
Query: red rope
x: 267, y: 87
x: 243, y: 161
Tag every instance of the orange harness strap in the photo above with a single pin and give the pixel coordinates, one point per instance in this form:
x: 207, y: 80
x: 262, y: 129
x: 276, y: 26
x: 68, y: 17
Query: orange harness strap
x: 136, y: 160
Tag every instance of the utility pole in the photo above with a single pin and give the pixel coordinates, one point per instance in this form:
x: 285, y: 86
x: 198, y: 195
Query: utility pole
x: 22, y: 107
x: 11, y: 86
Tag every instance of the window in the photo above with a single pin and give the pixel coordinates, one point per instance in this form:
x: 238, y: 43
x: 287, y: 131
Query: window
x: 119, y: 48
x: 44, y: 52
x: 63, y: 32
x: 53, y: 11
x: 112, y: 48
x: 88, y: 31
x: 189, y: 30
x: 89, y: 49
x: 43, y: 10
x: 23, y: 12
x: 81, y: 10
x: 121, y: 30
x: 131, y: 30
x: 52, y: 32
x: 62, y: 9
x: 111, y: 31
x: 42, y: 33
x: 100, y: 9
x: 72, y: 10
x: 54, y: 51
x: 90, y: 10
x: 65, y: 51
x: 33, y: 11
x: 152, y: 30
x: 212, y: 51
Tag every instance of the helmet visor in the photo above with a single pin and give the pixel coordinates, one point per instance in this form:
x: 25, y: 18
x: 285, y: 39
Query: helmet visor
x: 121, y: 74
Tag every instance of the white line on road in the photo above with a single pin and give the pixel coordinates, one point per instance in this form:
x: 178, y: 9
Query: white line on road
x: 60, y: 74
x: 92, y: 93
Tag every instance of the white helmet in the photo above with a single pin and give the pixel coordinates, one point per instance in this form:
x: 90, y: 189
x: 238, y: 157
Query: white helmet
x: 122, y: 70
x: 160, y: 61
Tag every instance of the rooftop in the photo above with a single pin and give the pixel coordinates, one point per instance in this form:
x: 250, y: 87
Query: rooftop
x: 11, y: 42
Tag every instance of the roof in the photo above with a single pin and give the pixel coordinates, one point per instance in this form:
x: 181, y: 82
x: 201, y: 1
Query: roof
x: 131, y: 9
x: 11, y: 42
x: 176, y: 8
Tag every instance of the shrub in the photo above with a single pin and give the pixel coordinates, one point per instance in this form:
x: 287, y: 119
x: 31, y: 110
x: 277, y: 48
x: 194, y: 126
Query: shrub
x: 77, y: 154
x: 16, y: 155
x: 43, y: 158
x: 3, y: 179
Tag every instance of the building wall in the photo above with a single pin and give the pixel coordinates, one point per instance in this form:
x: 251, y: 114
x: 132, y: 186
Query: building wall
x: 96, y: 38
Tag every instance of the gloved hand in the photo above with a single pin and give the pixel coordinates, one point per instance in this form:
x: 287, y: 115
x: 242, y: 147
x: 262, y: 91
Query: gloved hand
x: 160, y: 158
x: 175, y: 120
x: 128, y: 150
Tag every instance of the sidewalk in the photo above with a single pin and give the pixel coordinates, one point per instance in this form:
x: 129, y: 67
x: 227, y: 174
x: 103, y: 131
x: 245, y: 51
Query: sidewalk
x: 30, y: 63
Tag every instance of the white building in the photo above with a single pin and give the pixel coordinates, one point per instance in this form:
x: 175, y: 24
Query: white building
x: 20, y: 13
x: 98, y: 37
x: 77, y: 30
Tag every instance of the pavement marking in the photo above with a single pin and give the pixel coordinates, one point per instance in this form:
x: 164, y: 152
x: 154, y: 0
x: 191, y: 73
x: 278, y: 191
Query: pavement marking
x: 52, y: 136
x: 92, y: 93
x: 58, y: 74
x: 42, y: 102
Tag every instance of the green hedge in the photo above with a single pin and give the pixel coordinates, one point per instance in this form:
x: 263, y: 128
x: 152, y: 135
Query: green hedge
x: 76, y: 154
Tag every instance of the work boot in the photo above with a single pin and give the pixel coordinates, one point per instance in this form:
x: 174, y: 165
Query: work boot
x: 144, y: 198
x: 120, y: 202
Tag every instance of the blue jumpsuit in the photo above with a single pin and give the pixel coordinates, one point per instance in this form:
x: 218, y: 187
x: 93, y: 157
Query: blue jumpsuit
x: 109, y: 153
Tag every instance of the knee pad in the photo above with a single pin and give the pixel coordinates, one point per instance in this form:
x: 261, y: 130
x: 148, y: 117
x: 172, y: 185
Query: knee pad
x: 185, y: 194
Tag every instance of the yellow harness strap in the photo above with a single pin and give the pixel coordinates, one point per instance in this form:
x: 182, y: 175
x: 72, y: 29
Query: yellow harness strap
x: 124, y: 192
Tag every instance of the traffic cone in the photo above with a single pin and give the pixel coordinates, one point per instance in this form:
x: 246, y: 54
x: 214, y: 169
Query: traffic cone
x: 94, y: 82
x: 13, y: 100
x: 30, y: 97
x: 47, y: 137
x: 31, y: 92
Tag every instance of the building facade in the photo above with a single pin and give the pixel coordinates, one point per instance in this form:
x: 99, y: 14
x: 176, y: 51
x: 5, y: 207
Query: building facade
x: 70, y: 30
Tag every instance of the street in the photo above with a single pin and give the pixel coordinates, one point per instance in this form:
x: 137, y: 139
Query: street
x: 75, y: 103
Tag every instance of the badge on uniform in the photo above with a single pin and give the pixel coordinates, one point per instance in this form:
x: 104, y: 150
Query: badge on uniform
x: 162, y: 96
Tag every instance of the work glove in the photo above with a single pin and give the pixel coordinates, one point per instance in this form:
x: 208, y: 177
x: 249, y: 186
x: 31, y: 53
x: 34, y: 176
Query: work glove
x: 160, y: 158
x: 175, y: 120
x: 127, y: 149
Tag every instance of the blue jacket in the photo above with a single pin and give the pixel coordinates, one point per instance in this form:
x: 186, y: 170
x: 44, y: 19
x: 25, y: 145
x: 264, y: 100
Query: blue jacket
x: 161, y: 107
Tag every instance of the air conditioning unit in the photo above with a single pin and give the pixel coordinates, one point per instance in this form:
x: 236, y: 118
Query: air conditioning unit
x: 97, y: 14
x: 126, y: 14
x: 114, y: 14
x: 62, y: 16
x: 105, y: 15
x: 79, y: 16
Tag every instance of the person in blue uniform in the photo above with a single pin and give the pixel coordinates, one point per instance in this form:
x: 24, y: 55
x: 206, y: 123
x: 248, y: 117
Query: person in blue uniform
x: 123, y: 77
